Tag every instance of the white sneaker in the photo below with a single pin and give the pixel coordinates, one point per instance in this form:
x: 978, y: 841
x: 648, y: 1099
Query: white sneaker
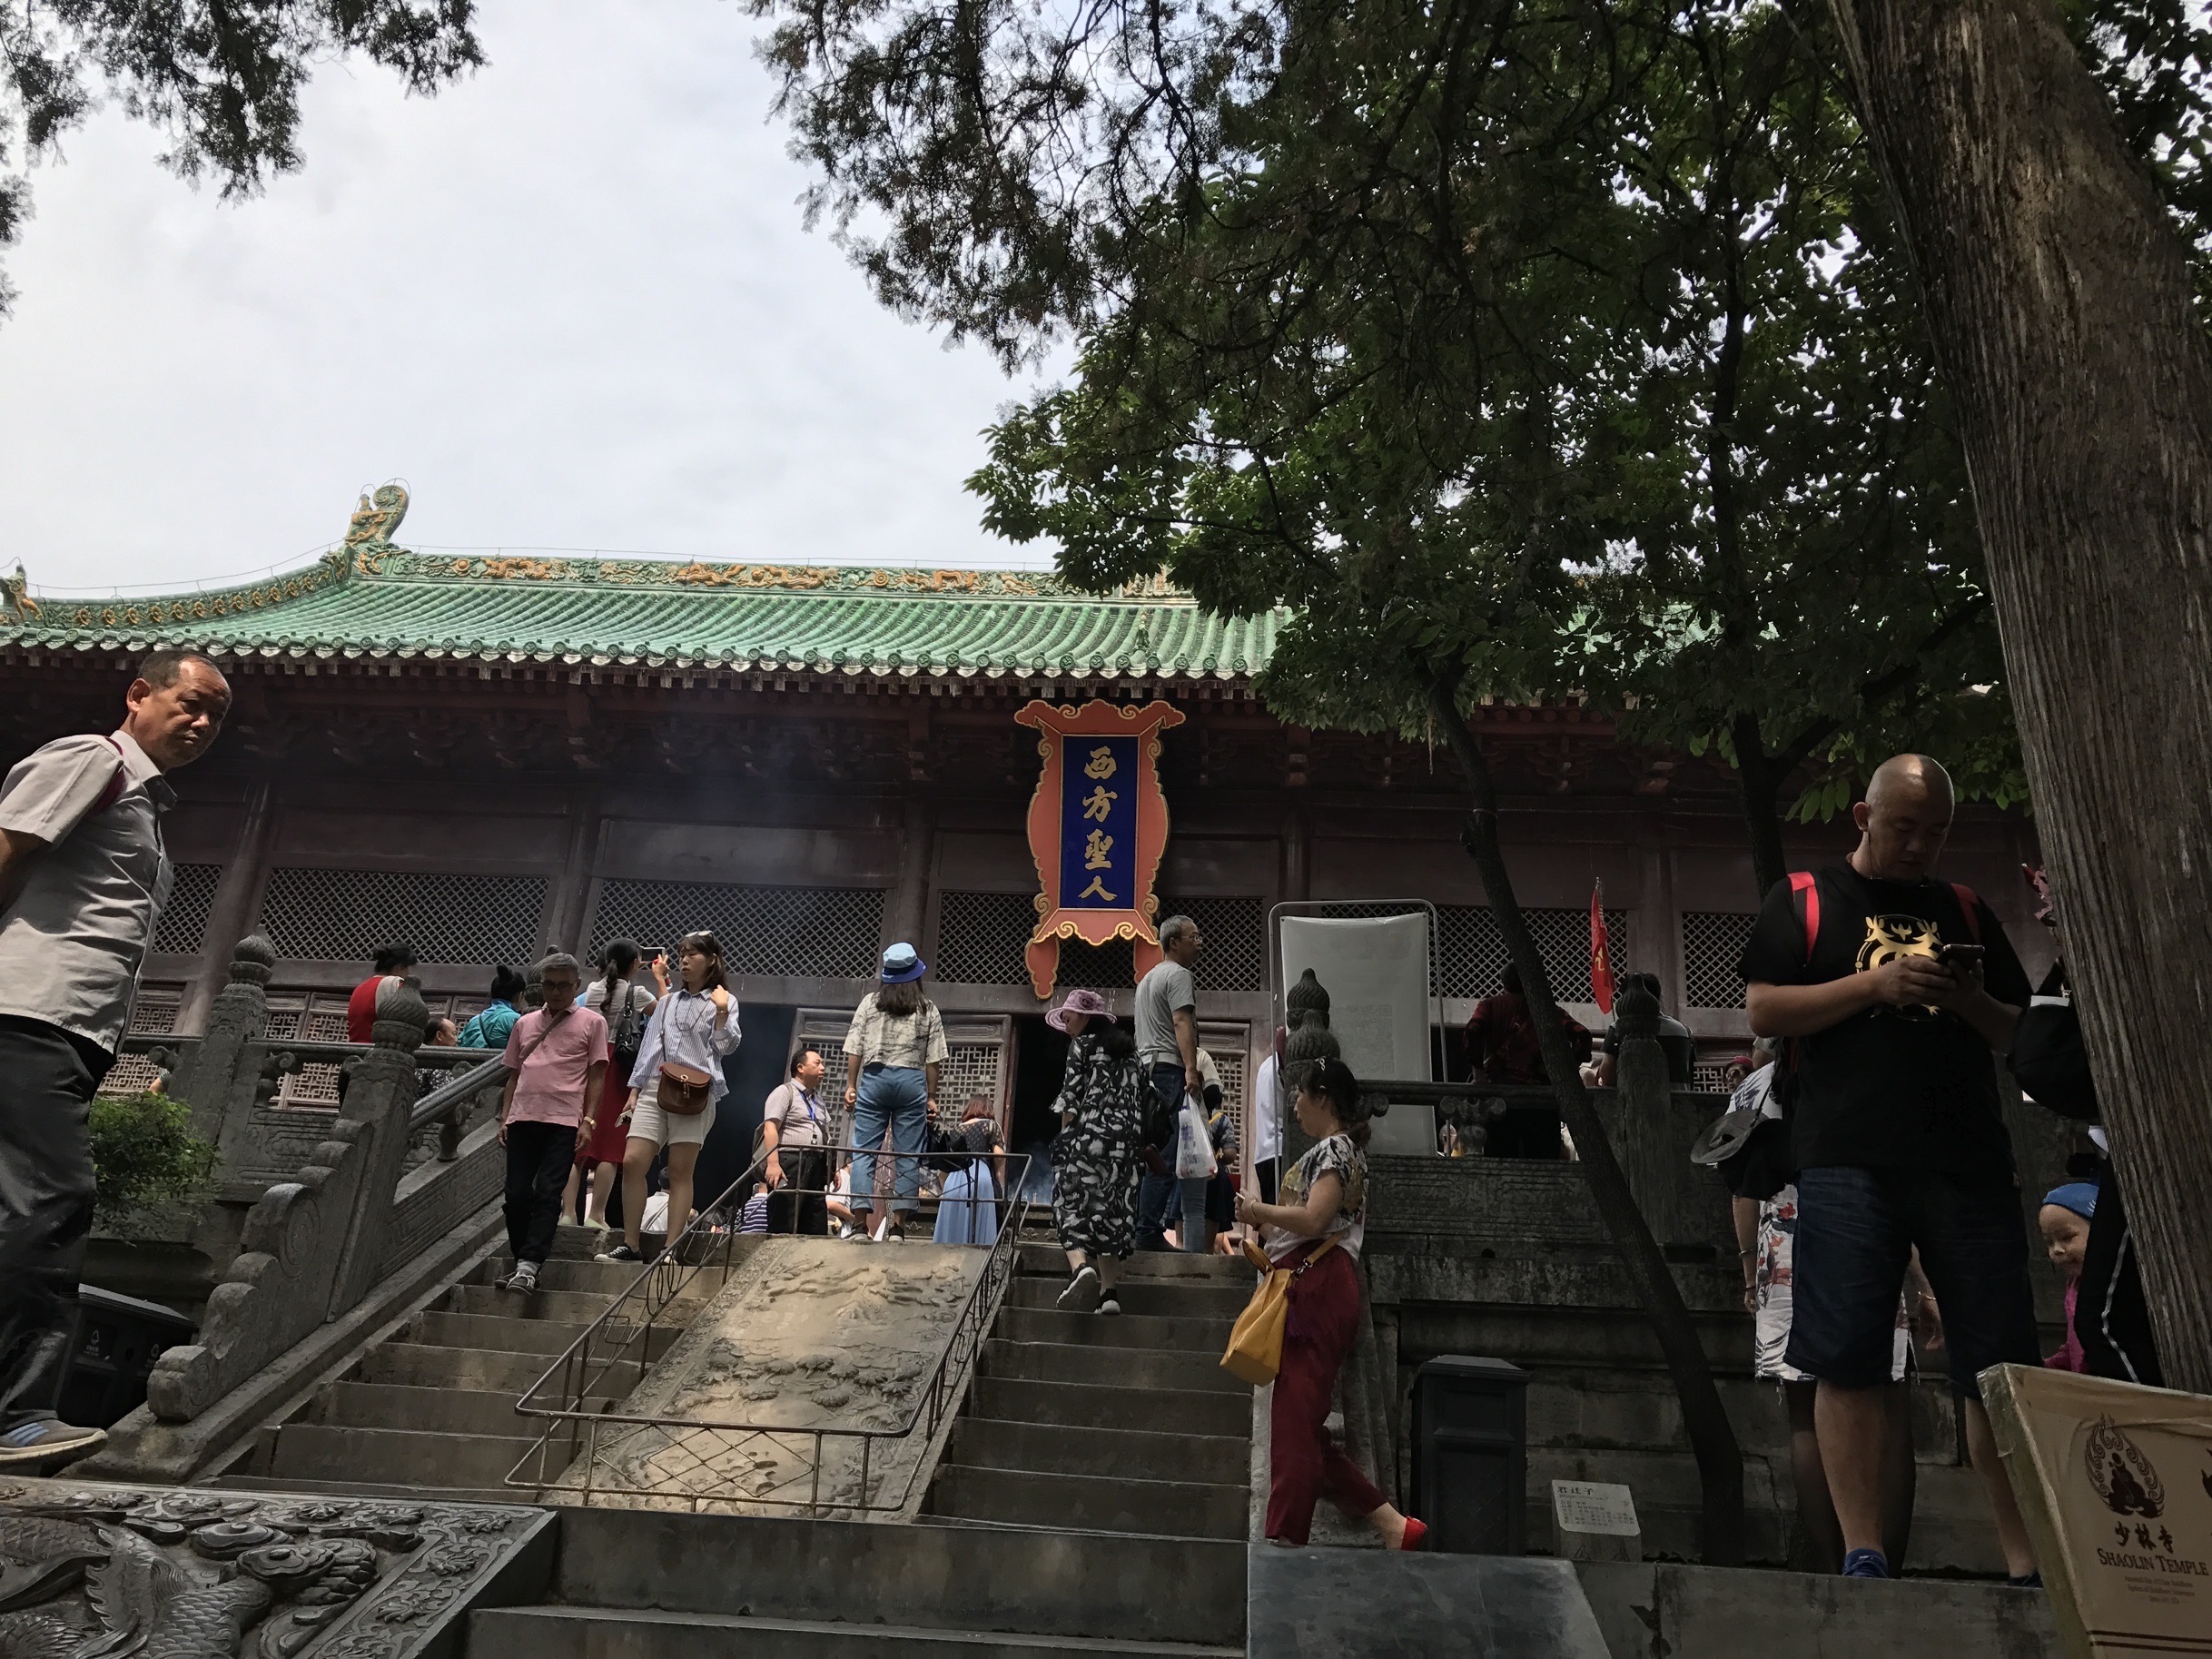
x: 1082, y: 1293
x: 523, y: 1279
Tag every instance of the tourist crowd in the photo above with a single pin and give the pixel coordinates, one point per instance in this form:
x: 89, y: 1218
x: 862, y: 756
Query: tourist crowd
x: 1874, y: 1179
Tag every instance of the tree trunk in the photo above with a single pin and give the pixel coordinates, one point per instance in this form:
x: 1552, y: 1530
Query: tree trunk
x: 1720, y: 1463
x: 1759, y: 779
x: 2058, y: 301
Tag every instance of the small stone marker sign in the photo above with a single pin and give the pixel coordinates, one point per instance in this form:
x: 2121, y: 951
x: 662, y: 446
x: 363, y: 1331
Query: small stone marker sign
x: 1595, y: 1520
x: 2115, y: 1483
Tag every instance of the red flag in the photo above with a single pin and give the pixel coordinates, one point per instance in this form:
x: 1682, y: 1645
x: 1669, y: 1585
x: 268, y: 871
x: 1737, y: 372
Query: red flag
x: 1601, y: 951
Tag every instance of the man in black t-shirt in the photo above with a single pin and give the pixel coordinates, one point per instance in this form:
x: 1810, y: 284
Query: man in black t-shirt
x: 1897, y: 988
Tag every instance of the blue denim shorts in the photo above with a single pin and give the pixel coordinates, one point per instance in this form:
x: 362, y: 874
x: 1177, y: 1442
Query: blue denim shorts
x: 1856, y: 1228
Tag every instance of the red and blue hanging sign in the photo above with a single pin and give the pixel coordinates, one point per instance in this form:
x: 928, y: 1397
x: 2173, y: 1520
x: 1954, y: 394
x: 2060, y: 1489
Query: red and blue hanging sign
x: 1097, y: 828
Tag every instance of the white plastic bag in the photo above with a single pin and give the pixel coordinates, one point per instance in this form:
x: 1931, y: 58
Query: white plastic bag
x: 1193, y: 1146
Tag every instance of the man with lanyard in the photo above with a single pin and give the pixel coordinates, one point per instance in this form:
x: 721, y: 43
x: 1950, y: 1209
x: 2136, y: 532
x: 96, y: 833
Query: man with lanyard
x: 83, y: 874
x: 1895, y: 988
x: 793, y: 1130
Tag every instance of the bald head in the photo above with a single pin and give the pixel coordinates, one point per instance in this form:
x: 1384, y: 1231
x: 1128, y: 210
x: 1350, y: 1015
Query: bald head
x: 1904, y: 820
x: 1920, y: 775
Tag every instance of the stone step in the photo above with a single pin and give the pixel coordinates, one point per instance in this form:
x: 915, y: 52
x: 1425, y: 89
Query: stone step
x: 605, y: 1279
x: 953, y: 1578
x: 575, y: 1308
x: 1118, y: 1368
x: 1049, y: 1262
x: 1211, y: 1412
x: 429, y: 1366
x: 1201, y: 1298
x: 1200, y: 1335
x: 322, y: 1451
x: 445, y: 1411
x: 509, y: 1334
x: 1067, y: 1449
x: 1091, y: 1503
x: 593, y: 1633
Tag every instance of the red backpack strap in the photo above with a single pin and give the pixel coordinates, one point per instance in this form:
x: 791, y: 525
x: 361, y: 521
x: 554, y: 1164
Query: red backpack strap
x: 1802, y: 885
x: 117, y: 785
x: 1972, y: 905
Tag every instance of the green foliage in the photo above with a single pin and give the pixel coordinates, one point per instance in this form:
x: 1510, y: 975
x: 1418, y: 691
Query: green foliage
x: 1563, y: 348
x: 221, y: 80
x: 144, y: 1154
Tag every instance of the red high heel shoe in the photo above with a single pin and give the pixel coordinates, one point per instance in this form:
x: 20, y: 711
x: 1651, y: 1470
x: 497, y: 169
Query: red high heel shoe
x: 1415, y: 1531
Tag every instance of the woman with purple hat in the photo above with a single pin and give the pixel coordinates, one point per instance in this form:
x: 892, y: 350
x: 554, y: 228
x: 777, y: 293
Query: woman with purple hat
x: 891, y: 1057
x: 1094, y: 1156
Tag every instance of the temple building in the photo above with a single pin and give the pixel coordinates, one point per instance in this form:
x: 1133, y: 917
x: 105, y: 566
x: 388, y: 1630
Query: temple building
x: 494, y: 756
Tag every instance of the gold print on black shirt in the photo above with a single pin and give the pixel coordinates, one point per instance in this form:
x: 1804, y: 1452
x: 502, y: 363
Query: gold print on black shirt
x: 1890, y: 937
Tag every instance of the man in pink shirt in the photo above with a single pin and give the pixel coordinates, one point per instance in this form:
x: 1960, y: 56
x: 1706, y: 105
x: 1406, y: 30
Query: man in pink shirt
x: 556, y: 1062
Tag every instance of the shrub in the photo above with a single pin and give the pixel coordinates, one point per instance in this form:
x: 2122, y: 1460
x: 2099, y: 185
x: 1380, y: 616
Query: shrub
x: 143, y: 1154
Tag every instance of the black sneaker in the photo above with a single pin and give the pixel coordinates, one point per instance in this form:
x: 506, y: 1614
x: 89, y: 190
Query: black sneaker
x: 1082, y: 1293
x: 45, y: 1444
x: 620, y: 1253
x: 1110, y: 1306
x: 894, y: 1234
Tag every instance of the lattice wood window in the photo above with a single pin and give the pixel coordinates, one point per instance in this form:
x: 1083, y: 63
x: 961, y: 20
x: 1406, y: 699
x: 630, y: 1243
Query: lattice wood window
x: 981, y: 937
x: 1712, y: 944
x: 821, y: 932
x: 1236, y: 934
x: 347, y: 915
x: 1111, y: 966
x: 320, y: 1016
x: 184, y: 923
x: 153, y: 1014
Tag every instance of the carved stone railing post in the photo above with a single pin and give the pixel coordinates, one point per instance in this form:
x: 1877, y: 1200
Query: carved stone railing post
x: 216, y: 1077
x: 381, y: 1099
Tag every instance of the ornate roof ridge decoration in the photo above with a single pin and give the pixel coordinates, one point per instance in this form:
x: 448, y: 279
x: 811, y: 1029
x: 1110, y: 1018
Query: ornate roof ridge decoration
x: 870, y: 581
x: 367, y: 597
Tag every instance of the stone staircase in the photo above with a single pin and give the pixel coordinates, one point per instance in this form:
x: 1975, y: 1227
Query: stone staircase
x: 429, y: 1411
x: 1091, y: 1501
x: 1092, y: 1423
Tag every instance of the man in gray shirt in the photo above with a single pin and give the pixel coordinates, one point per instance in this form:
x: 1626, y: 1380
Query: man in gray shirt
x: 1167, y: 1046
x: 83, y: 874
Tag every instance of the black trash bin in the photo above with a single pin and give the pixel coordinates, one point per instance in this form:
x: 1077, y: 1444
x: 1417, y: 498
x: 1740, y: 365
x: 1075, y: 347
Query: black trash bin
x: 1470, y: 1453
x: 117, y: 1340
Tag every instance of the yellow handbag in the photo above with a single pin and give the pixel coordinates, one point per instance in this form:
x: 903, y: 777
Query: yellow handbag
x: 1255, y: 1352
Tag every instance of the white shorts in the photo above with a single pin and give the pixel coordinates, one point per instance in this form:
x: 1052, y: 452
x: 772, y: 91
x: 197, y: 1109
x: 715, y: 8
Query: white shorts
x: 649, y: 1123
x: 1775, y: 1282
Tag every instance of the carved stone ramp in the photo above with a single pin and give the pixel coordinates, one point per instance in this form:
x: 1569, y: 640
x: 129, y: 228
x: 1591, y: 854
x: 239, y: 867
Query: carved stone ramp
x: 650, y: 1584
x: 1105, y: 1424
x: 431, y: 1411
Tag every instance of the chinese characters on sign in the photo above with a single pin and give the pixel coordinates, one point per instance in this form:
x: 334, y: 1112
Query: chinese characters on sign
x: 1098, y: 824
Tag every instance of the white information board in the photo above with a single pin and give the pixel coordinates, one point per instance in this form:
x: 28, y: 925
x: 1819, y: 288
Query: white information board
x: 1376, y: 971
x: 1595, y: 1506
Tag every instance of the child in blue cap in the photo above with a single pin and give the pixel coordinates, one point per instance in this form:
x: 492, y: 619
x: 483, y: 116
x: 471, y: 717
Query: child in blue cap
x: 2065, y: 1223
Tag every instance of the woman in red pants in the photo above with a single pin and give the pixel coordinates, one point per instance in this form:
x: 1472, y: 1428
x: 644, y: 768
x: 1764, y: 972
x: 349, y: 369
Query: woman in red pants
x: 1316, y: 1229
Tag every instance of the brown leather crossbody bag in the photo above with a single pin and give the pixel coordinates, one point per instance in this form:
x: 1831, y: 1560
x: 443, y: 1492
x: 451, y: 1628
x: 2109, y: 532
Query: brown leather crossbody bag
x: 683, y: 1092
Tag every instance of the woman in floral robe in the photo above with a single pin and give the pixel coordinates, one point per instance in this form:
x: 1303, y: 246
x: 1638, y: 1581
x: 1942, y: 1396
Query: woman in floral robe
x: 1094, y: 1156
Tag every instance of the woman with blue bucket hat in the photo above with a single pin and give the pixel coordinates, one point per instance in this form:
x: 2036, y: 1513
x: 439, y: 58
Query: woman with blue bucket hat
x: 891, y: 1057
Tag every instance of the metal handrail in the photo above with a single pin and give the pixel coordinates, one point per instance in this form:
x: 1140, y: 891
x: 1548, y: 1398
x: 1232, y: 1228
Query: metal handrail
x: 579, y: 1373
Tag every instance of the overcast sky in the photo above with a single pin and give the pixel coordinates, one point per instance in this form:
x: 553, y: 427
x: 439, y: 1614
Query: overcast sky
x: 569, y: 301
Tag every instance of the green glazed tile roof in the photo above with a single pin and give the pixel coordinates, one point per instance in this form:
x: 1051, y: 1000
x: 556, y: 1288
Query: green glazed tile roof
x: 371, y: 599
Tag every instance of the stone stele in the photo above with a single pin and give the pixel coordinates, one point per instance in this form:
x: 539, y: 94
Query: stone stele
x: 186, y: 1572
x: 817, y: 1333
